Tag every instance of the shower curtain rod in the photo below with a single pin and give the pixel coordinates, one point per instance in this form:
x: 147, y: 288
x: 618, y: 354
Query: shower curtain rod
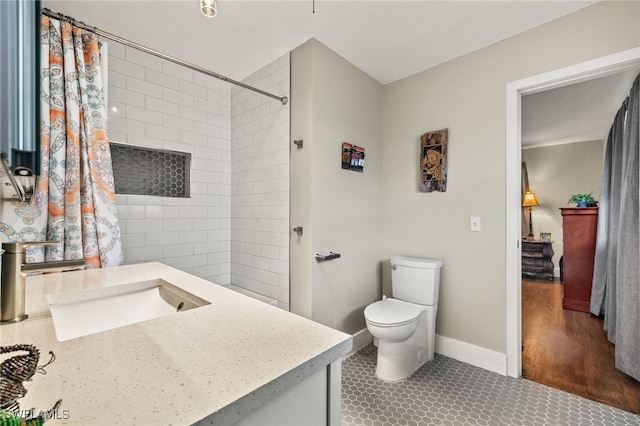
x: 137, y: 46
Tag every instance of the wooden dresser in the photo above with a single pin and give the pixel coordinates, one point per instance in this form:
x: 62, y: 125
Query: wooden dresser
x: 536, y: 259
x: 579, y: 226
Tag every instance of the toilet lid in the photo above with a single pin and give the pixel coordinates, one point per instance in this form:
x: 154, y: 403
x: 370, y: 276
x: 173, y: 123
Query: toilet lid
x: 391, y: 312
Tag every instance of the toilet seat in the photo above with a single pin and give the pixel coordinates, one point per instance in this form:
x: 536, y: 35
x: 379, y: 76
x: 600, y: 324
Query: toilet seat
x: 391, y: 313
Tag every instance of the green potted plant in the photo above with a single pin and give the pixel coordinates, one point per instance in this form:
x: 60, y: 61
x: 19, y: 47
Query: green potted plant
x: 583, y: 200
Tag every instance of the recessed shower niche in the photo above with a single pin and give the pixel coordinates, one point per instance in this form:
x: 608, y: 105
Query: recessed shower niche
x: 146, y: 171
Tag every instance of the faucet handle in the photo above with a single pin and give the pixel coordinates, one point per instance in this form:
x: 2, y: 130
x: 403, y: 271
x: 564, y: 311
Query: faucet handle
x: 21, y: 246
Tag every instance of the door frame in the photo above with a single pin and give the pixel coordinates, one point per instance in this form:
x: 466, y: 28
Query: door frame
x: 600, y: 67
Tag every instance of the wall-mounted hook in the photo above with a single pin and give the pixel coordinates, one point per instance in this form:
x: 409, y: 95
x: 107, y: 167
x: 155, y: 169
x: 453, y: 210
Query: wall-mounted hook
x: 298, y: 230
x: 298, y: 143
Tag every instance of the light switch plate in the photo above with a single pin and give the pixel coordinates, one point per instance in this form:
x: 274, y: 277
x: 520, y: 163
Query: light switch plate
x: 474, y: 223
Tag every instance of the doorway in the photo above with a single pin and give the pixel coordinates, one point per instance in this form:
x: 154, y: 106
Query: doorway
x: 563, y: 137
x: 515, y: 90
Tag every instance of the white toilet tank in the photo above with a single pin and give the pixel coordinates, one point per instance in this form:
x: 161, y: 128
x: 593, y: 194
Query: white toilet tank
x: 416, y: 280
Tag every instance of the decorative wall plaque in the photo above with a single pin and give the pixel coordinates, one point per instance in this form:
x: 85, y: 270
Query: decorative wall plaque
x: 433, y: 161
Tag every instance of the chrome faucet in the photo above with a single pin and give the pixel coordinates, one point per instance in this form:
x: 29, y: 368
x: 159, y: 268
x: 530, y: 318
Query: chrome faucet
x: 14, y: 272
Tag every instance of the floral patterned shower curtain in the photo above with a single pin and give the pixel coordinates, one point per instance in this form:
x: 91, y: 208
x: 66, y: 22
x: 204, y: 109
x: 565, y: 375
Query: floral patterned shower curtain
x: 75, y: 198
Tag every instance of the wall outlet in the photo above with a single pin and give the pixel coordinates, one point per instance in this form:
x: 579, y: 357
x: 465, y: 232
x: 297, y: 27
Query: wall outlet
x: 474, y: 223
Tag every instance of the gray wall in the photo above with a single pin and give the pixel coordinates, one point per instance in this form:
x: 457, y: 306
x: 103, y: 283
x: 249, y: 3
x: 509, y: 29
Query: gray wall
x: 555, y: 173
x: 371, y: 217
x: 341, y: 210
x: 467, y: 95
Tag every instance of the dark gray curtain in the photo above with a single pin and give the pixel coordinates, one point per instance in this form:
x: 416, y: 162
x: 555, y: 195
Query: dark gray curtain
x: 604, y: 270
x: 616, y: 277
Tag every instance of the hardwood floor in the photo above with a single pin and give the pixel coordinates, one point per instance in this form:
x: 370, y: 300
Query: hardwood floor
x: 569, y: 350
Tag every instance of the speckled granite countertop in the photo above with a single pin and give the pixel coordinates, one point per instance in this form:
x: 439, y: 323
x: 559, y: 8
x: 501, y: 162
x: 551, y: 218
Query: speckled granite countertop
x: 218, y: 362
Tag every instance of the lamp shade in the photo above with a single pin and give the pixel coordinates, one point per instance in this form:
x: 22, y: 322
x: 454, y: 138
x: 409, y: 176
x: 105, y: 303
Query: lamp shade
x: 530, y: 199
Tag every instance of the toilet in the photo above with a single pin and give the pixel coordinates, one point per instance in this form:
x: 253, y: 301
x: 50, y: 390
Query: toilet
x: 404, y: 326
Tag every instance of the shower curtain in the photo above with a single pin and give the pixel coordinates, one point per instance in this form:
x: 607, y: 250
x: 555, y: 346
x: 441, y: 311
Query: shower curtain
x: 616, y: 283
x: 74, y: 201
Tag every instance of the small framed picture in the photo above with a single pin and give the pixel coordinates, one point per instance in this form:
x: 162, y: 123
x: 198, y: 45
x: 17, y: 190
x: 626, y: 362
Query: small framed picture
x: 352, y: 157
x: 545, y: 236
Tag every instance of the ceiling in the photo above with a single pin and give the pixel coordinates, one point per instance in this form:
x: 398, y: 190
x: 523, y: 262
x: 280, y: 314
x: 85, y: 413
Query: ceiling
x: 388, y: 40
x: 580, y: 112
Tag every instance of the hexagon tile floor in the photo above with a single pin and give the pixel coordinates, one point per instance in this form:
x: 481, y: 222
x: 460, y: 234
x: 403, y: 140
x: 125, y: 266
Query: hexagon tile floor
x: 449, y: 392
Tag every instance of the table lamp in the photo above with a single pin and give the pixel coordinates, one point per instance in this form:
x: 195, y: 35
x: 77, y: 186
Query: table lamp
x: 529, y: 201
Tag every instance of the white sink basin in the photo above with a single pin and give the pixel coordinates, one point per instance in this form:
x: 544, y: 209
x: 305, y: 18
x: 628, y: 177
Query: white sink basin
x: 91, y: 311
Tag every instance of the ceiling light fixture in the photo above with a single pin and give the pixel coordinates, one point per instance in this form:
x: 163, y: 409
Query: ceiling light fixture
x: 209, y: 8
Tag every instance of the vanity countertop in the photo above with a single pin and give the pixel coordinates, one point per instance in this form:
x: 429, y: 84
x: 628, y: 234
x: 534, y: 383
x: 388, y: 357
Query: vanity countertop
x: 214, y: 364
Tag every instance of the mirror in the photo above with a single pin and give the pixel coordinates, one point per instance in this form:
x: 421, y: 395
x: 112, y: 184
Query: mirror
x: 19, y: 86
x: 19, y: 96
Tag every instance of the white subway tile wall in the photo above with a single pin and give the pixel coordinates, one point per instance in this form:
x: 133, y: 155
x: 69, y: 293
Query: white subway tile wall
x: 157, y: 104
x: 260, y: 184
x: 235, y: 226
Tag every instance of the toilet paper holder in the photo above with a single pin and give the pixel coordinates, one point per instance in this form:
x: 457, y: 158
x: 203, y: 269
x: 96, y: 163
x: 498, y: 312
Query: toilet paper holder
x: 322, y: 257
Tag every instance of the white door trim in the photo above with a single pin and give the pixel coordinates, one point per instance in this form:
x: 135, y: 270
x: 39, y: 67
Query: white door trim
x: 584, y: 71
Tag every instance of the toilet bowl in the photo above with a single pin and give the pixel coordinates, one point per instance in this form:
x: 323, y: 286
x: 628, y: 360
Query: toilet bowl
x: 401, y: 331
x: 392, y: 320
x: 404, y: 326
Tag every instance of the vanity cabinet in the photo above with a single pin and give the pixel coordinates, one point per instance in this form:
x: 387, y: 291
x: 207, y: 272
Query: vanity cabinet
x: 579, y: 226
x: 261, y: 366
x: 536, y: 259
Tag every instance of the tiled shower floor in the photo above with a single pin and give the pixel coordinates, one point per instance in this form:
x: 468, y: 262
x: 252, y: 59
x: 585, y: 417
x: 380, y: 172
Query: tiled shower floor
x: 449, y: 392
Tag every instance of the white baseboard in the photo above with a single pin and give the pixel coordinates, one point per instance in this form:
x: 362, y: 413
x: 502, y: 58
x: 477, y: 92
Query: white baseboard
x: 452, y: 348
x: 472, y: 354
x: 361, y: 339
